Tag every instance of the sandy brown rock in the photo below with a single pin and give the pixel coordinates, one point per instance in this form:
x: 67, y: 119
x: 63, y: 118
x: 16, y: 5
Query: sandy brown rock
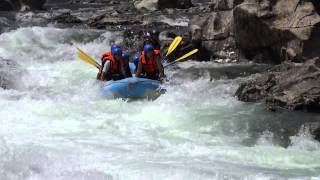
x: 275, y: 31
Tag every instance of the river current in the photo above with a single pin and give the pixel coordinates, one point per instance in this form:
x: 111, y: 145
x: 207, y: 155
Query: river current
x: 56, y: 126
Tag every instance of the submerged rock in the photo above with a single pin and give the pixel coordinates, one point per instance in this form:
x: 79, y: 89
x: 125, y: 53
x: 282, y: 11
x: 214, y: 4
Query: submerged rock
x: 293, y: 86
x: 10, y: 74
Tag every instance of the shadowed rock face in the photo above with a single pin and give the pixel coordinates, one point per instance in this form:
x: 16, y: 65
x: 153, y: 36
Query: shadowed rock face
x: 21, y: 5
x: 289, y: 86
x: 180, y: 4
x: 6, y: 6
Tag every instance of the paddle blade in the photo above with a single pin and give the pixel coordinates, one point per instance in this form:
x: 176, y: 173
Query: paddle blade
x: 182, y: 57
x: 174, y: 44
x: 187, y: 55
x: 83, y: 56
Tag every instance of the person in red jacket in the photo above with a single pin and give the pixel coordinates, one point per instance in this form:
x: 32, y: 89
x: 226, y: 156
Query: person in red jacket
x: 112, y: 67
x: 150, y: 65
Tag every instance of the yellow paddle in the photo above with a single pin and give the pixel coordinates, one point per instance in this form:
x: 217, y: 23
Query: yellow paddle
x: 174, y: 44
x: 183, y: 57
x: 83, y: 56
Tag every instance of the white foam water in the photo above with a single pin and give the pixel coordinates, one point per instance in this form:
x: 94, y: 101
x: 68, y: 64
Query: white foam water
x: 59, y: 127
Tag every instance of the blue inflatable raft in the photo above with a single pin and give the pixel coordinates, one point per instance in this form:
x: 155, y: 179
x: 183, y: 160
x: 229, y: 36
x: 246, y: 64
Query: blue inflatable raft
x: 133, y: 88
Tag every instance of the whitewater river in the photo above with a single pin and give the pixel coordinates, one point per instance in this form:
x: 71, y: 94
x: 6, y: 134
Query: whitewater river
x: 56, y: 126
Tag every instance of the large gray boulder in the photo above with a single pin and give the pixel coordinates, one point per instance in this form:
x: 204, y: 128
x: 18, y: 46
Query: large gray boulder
x: 277, y: 30
x: 293, y: 86
x: 216, y: 33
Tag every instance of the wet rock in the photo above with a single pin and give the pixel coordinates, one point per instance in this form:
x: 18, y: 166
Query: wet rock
x: 293, y: 86
x: 10, y: 74
x: 67, y: 18
x: 4, y: 23
x: 7, y: 21
x: 275, y: 31
x: 314, y: 129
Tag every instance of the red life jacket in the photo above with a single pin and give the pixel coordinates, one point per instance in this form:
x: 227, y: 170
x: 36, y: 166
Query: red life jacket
x: 150, y: 65
x: 114, y: 65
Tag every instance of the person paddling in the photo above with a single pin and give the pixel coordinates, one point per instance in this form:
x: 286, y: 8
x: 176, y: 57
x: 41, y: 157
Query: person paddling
x: 112, y: 67
x: 150, y: 65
